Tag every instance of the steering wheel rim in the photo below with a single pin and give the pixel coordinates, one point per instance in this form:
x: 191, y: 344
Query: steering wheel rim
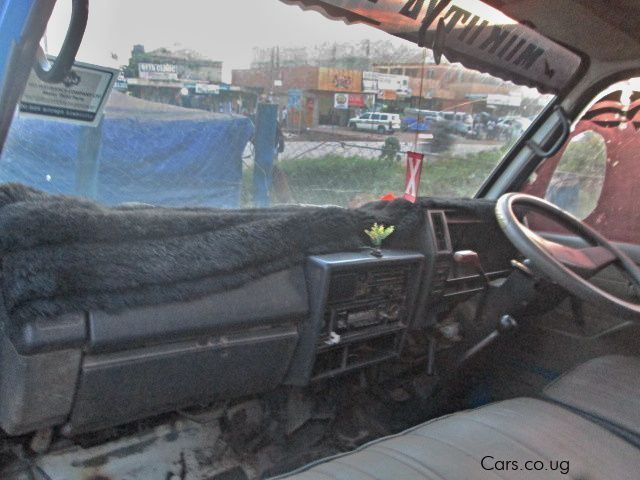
x: 565, y: 265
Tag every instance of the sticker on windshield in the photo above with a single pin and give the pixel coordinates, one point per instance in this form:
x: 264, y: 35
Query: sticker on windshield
x: 79, y: 98
x: 413, y: 174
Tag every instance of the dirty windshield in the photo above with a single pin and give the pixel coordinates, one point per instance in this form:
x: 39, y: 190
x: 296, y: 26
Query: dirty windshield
x: 242, y: 103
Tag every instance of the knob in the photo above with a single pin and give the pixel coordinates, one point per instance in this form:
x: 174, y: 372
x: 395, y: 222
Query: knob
x: 392, y: 312
x: 506, y: 324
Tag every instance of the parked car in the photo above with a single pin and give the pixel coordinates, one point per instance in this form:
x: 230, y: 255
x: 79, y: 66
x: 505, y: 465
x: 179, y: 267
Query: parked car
x: 460, y: 117
x: 459, y: 128
x: 377, y: 122
x: 510, y: 127
x: 430, y: 115
x: 413, y: 124
x: 419, y: 120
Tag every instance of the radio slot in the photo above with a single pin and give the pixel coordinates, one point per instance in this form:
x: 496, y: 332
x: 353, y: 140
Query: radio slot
x: 361, y: 308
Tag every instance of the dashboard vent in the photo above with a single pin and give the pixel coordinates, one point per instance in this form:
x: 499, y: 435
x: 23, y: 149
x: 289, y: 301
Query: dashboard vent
x: 393, y: 278
x: 440, y: 231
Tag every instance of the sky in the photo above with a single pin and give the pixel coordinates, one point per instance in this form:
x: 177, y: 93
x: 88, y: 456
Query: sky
x: 225, y: 30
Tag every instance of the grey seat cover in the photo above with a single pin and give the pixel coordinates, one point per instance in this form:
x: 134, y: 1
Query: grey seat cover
x: 452, y: 448
x: 605, y: 387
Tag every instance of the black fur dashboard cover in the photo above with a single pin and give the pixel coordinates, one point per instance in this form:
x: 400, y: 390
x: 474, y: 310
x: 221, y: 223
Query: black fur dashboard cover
x: 62, y: 254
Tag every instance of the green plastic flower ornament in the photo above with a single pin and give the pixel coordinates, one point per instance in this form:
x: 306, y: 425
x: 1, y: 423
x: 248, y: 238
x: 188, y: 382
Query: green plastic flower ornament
x: 378, y: 233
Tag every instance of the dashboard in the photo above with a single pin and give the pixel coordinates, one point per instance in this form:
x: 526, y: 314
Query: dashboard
x: 470, y: 225
x: 361, y: 307
x: 337, y: 313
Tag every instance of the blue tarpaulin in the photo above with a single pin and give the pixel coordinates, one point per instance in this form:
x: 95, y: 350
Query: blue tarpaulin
x: 142, y: 152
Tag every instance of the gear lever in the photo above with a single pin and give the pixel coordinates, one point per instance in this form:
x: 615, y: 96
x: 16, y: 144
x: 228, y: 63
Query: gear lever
x: 505, y: 325
x: 471, y: 259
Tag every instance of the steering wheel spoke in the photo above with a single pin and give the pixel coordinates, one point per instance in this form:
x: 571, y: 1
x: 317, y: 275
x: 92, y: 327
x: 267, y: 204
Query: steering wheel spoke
x: 585, y: 261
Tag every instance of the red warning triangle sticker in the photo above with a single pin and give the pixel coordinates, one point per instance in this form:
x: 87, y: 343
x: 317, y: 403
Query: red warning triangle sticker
x: 413, y: 174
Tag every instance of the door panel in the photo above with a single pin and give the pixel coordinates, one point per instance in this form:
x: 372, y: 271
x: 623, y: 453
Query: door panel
x: 595, y: 177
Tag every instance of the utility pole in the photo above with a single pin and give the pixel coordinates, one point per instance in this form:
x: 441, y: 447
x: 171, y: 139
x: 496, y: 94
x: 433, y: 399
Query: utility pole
x: 368, y: 52
x: 271, y: 71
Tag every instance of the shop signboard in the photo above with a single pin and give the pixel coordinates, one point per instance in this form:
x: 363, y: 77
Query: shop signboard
x: 207, y: 89
x: 357, y: 100
x: 121, y: 83
x: 158, y: 71
x: 295, y: 98
x: 341, y: 101
x: 388, y: 95
x: 339, y: 80
x: 375, y: 82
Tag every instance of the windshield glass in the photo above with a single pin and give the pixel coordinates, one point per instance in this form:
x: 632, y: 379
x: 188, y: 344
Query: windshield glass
x: 243, y: 103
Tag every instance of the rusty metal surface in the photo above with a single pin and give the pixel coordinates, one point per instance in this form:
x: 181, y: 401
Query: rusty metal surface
x: 250, y: 439
x: 183, y: 450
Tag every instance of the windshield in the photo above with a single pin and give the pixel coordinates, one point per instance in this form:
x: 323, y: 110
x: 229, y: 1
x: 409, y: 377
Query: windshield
x: 243, y: 103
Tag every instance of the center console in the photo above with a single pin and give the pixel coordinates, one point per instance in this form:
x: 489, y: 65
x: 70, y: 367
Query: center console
x: 360, y: 309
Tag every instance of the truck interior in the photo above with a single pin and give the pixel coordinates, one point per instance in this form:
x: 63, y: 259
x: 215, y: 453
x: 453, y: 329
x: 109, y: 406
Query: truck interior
x: 491, y: 336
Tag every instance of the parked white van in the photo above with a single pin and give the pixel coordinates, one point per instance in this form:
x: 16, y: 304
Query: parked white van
x: 377, y: 122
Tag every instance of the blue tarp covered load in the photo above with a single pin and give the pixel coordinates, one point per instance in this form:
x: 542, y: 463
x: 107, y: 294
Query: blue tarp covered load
x: 142, y: 152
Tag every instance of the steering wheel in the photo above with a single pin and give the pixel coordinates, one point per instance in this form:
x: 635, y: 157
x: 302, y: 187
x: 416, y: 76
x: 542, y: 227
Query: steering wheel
x: 569, y: 267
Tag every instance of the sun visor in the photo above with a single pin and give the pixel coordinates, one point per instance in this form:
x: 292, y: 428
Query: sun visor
x: 466, y: 31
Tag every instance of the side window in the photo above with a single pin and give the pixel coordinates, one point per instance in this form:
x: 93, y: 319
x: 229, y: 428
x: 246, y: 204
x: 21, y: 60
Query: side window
x: 596, y: 175
x: 384, y: 117
x: 577, y: 181
x: 366, y: 116
x: 375, y: 116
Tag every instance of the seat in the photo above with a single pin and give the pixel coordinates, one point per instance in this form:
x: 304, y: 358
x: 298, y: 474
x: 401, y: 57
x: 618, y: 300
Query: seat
x: 606, y: 388
x: 477, y: 444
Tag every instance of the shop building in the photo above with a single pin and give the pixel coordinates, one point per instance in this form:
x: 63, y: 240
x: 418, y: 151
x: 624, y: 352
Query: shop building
x: 311, y: 95
x: 328, y: 96
x: 185, y: 79
x: 448, y: 87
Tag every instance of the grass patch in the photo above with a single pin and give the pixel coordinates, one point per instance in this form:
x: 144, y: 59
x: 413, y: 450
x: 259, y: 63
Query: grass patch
x: 347, y: 181
x: 344, y: 181
x: 337, y: 180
